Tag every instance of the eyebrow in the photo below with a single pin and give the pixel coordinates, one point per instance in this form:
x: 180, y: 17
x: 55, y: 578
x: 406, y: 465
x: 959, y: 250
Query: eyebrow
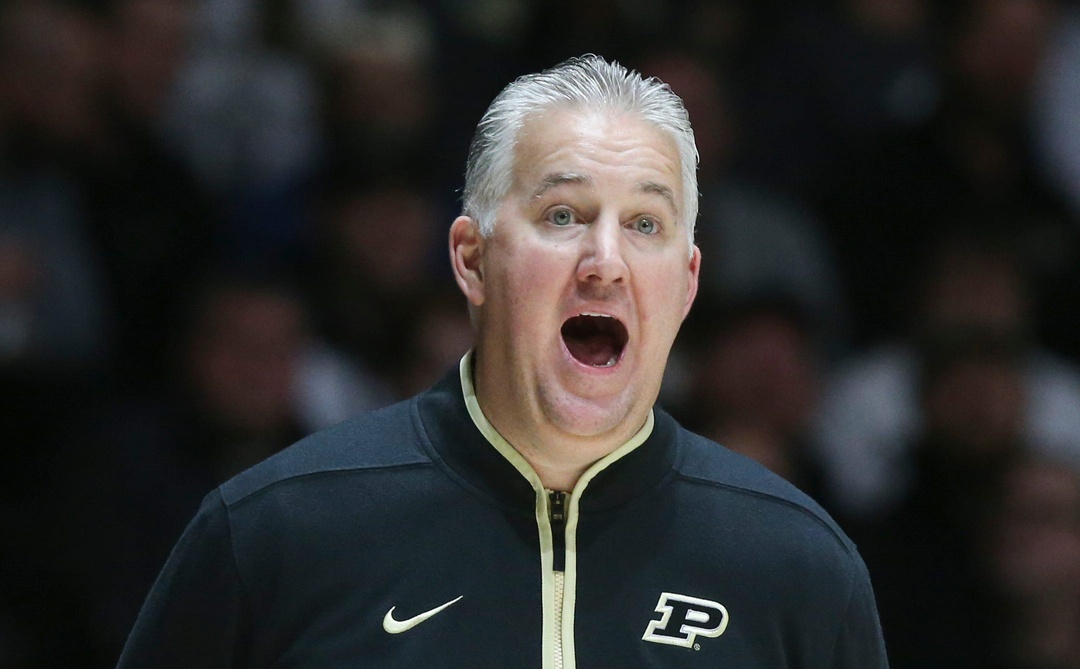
x: 557, y: 179
x: 560, y: 179
x: 661, y: 190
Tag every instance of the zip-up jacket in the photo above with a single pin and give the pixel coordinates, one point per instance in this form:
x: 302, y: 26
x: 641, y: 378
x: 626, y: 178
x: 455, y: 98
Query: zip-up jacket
x: 416, y: 536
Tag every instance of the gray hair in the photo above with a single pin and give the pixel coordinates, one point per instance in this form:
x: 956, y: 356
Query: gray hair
x: 585, y: 81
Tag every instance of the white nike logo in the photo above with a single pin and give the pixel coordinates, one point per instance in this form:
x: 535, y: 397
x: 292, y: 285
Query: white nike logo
x: 398, y: 626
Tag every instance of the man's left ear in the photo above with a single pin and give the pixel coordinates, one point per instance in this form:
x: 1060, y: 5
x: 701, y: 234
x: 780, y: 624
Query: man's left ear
x: 692, y: 279
x: 466, y: 258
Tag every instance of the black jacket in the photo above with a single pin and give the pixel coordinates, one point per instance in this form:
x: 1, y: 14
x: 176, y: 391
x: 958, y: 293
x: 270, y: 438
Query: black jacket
x: 342, y: 551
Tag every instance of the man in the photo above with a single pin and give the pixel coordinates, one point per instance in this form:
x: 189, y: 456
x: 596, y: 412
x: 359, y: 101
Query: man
x: 534, y: 509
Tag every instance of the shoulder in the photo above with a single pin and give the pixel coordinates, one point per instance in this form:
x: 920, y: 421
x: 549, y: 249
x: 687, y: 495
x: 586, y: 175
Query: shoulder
x: 736, y: 485
x: 389, y: 438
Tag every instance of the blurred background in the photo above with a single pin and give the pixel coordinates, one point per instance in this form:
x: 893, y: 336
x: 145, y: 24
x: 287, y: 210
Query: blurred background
x: 223, y: 226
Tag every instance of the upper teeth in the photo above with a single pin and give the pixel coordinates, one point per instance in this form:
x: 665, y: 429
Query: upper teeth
x: 589, y: 313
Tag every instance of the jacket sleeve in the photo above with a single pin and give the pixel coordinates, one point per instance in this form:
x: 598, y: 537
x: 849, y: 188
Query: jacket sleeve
x: 195, y: 615
x: 859, y: 643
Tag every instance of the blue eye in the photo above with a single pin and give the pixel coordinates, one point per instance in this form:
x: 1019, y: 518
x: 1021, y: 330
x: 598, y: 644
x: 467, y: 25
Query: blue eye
x: 561, y: 217
x: 646, y: 226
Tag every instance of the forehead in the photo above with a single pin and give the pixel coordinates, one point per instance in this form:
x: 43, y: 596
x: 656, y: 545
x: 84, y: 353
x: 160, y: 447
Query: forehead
x: 614, y: 148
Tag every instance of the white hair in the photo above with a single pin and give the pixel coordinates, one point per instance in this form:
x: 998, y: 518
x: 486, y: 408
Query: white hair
x: 586, y: 81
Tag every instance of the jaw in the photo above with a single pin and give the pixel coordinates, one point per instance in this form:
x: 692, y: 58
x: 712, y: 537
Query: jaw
x: 592, y: 400
x: 587, y: 404
x: 580, y: 381
x: 558, y: 405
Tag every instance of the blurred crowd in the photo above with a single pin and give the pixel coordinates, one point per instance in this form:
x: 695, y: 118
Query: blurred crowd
x: 223, y: 226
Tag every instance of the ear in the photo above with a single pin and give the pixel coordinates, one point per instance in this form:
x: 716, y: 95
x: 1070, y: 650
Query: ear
x: 692, y: 279
x: 466, y: 258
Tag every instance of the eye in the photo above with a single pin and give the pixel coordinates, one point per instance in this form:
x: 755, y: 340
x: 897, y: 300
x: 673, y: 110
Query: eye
x: 561, y: 217
x: 646, y: 226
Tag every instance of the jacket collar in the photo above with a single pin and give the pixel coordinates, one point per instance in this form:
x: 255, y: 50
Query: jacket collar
x: 466, y: 442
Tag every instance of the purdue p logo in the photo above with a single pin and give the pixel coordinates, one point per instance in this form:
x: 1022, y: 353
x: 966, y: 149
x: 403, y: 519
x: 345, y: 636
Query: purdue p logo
x: 684, y: 618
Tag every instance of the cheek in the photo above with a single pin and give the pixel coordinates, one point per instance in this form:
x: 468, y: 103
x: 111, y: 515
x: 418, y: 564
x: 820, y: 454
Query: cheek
x: 665, y: 296
x: 523, y: 293
x: 534, y: 274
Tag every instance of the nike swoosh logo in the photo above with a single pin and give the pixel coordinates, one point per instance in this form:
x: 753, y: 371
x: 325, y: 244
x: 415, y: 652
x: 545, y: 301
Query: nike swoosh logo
x: 398, y: 626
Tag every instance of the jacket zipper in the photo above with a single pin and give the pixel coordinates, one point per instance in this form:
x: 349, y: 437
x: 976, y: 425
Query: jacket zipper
x: 557, y: 515
x: 556, y: 520
x: 557, y: 523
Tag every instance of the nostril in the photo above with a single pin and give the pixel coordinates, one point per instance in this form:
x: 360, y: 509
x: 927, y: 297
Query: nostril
x: 604, y: 262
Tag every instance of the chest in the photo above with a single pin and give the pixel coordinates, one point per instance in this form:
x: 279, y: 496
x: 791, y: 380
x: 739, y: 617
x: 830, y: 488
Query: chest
x: 484, y: 586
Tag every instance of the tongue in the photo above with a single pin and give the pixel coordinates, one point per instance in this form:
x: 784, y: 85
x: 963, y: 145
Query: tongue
x: 597, y: 350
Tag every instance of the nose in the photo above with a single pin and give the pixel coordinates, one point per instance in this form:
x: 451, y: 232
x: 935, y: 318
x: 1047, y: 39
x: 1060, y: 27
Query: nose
x: 602, y: 260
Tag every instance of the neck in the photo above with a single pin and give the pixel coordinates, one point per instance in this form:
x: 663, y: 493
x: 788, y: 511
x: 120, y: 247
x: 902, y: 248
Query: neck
x: 557, y: 457
x: 554, y: 475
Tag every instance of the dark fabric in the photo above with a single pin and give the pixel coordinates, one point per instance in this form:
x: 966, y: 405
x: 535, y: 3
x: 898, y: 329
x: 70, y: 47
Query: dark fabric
x: 295, y: 562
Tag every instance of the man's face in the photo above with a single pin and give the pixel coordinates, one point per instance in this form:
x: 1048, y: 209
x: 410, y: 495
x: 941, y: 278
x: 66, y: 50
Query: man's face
x: 585, y: 280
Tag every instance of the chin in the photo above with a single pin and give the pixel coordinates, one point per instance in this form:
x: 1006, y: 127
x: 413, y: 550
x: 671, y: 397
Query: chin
x: 588, y: 417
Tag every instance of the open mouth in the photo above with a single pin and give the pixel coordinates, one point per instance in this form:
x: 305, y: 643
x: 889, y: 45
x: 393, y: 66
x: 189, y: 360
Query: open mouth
x: 595, y: 339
